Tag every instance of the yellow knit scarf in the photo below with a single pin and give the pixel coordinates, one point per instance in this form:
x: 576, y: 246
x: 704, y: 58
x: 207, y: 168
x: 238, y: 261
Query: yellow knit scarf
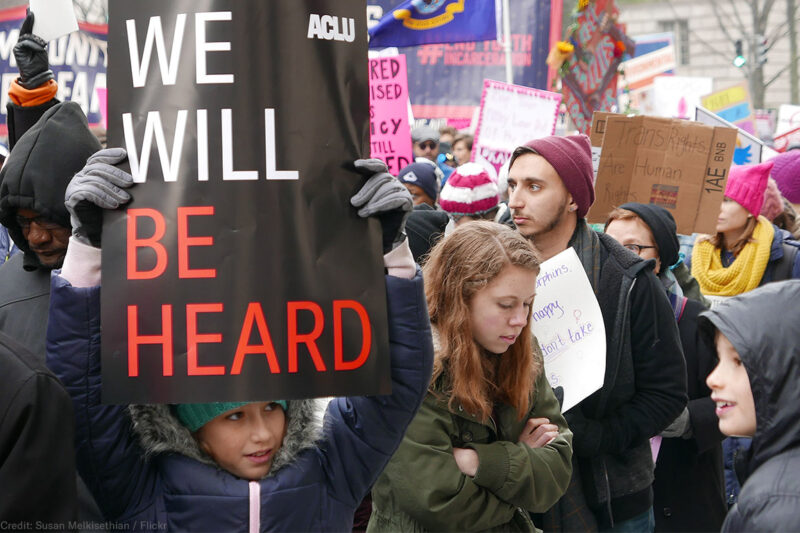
x: 746, y: 271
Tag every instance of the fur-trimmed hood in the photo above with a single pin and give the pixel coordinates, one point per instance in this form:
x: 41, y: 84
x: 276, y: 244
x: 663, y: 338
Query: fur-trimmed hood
x: 159, y: 431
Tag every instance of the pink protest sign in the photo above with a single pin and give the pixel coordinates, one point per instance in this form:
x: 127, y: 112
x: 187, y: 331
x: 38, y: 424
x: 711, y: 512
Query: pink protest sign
x: 511, y: 115
x: 390, y: 133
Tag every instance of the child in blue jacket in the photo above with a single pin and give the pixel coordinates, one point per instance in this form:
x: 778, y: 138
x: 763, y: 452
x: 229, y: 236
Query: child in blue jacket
x: 261, y: 466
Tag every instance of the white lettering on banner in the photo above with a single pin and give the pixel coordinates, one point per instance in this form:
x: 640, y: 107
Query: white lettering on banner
x: 171, y: 160
x: 328, y: 27
x: 169, y: 67
x: 7, y: 42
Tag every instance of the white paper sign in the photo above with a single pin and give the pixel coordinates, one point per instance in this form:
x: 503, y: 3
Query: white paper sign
x: 511, y: 115
x: 677, y: 96
x: 788, y: 118
x: 53, y: 18
x: 568, y: 324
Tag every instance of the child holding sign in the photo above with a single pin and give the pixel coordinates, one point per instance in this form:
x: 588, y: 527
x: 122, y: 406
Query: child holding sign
x: 755, y: 388
x: 224, y: 466
x: 489, y: 444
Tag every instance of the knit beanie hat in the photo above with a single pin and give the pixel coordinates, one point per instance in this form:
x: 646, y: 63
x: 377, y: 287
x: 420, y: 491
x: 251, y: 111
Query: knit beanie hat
x: 572, y: 158
x: 423, y: 176
x: 773, y: 201
x: 196, y: 415
x: 469, y: 191
x: 661, y: 223
x: 786, y: 172
x: 746, y: 185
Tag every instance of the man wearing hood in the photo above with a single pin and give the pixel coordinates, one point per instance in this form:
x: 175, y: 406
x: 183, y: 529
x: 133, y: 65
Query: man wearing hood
x: 50, y: 142
x: 32, y: 186
x: 755, y: 389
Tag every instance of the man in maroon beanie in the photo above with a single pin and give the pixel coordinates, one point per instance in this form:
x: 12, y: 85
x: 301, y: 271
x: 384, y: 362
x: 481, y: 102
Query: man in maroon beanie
x: 550, y: 188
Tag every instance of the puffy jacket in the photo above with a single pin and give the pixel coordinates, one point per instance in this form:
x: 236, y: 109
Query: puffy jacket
x: 142, y: 465
x: 763, y: 326
x: 422, y: 488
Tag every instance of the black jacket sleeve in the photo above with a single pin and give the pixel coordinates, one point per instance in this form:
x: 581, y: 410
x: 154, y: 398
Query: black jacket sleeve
x: 37, y: 454
x: 20, y: 119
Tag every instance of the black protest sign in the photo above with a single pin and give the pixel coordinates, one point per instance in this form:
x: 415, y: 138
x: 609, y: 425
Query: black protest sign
x: 240, y: 272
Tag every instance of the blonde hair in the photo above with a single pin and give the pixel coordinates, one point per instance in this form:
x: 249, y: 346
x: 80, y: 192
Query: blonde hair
x: 458, y: 267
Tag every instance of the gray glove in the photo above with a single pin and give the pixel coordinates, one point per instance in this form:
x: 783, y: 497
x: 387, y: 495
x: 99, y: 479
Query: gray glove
x: 99, y: 185
x: 385, y: 197
x: 680, y: 427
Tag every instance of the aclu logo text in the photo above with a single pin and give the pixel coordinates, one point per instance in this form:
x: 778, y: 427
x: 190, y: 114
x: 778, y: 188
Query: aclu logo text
x: 331, y: 28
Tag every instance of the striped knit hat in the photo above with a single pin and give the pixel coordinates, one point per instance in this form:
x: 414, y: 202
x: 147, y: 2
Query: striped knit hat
x: 469, y: 191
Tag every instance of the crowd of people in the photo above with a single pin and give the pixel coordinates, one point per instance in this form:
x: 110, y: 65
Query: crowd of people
x: 694, y: 428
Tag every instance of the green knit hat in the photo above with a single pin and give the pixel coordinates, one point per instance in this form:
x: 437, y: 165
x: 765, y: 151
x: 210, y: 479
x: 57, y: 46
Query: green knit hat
x: 196, y: 415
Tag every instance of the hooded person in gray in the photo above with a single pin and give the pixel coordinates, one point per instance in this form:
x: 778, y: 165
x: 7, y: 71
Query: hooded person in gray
x: 33, y: 181
x: 763, y: 327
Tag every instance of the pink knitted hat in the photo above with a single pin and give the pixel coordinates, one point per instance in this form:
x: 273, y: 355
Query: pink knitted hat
x: 773, y: 201
x: 786, y: 173
x: 571, y: 156
x: 746, y: 185
x: 469, y: 191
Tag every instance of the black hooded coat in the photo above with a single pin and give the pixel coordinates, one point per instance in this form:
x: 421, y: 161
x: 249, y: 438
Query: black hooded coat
x: 763, y: 326
x: 35, y: 176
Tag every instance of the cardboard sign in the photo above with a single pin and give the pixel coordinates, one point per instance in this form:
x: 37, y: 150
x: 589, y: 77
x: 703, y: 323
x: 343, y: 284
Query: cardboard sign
x: 511, y: 115
x: 240, y: 271
x: 679, y: 165
x: 748, y: 149
x: 389, y: 131
x: 596, y: 138
x: 53, y: 18
x: 732, y: 104
x: 568, y: 325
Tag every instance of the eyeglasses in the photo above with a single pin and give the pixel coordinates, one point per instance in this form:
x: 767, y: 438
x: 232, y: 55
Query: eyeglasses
x: 41, y: 221
x: 637, y: 248
x: 428, y: 145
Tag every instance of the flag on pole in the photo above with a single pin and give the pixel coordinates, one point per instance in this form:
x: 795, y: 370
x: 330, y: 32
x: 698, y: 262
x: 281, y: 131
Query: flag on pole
x: 416, y: 22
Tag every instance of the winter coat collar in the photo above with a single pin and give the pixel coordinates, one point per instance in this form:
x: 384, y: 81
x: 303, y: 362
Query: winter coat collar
x: 159, y: 431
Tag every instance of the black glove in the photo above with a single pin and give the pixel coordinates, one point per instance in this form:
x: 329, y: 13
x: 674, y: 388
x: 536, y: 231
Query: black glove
x: 31, y: 55
x: 384, y: 197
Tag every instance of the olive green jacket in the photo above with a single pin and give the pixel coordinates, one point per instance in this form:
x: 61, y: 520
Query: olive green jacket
x: 422, y: 488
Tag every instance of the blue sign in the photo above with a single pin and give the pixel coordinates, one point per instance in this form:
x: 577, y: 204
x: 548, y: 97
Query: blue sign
x: 417, y: 22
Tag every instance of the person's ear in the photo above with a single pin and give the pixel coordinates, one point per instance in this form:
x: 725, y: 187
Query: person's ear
x: 572, y: 206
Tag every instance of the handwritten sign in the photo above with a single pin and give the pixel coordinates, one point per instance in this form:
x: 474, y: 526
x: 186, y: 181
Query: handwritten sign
x: 511, y: 115
x: 677, y: 164
x: 389, y: 131
x: 568, y: 324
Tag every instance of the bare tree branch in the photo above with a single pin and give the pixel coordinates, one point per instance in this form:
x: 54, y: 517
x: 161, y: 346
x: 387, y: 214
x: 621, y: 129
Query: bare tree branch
x: 697, y: 37
x: 741, y: 24
x: 762, y: 20
x: 780, y: 72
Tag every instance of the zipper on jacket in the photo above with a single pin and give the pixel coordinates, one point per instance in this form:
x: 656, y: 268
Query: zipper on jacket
x: 255, y: 507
